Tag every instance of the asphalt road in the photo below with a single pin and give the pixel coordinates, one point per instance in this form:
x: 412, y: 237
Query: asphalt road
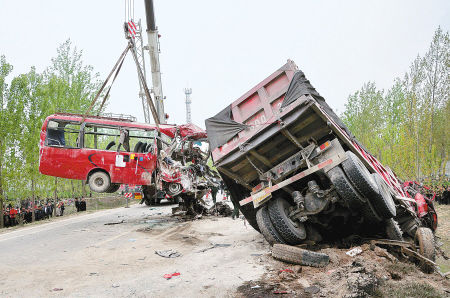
x: 87, y: 256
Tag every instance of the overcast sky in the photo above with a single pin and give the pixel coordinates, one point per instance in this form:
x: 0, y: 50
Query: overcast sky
x: 223, y: 48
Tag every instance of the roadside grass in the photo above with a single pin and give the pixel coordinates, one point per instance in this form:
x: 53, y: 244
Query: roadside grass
x: 443, y: 236
x: 407, y: 289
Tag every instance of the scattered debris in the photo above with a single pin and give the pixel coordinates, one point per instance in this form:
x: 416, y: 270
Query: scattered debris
x: 214, y: 246
x: 256, y: 287
x: 170, y: 275
x: 300, y: 256
x: 287, y: 270
x: 93, y: 273
x: 57, y: 289
x: 131, y: 240
x: 115, y: 285
x: 256, y: 255
x: 354, y: 251
x: 114, y: 223
x: 169, y: 253
x: 312, y: 290
x: 220, y: 208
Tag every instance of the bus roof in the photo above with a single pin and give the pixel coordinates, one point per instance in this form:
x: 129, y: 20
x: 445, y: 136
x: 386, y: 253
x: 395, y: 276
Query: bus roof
x: 185, y: 130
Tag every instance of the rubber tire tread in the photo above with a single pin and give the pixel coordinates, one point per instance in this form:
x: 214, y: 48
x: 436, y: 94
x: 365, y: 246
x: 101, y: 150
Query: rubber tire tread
x: 266, y: 227
x: 425, y: 238
x: 383, y: 203
x: 393, y: 230
x: 291, y: 234
x: 345, y: 189
x: 105, y: 177
x: 296, y: 255
x: 354, y: 200
x: 359, y: 176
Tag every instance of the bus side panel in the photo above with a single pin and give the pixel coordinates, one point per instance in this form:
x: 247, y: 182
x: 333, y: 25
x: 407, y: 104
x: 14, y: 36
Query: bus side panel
x: 61, y: 162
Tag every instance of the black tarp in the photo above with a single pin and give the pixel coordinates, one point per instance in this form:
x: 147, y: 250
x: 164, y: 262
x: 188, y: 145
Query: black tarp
x: 221, y: 128
x: 300, y: 86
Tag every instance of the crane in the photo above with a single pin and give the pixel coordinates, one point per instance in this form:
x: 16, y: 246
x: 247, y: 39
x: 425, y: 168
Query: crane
x: 153, y: 50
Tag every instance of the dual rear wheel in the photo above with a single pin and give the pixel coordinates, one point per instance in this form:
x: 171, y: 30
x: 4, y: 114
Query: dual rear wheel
x: 276, y: 225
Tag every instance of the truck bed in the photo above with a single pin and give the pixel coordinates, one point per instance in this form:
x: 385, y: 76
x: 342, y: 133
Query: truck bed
x: 273, y: 121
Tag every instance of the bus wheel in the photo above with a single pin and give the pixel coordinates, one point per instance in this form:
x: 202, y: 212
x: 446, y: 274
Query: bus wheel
x: 99, y: 182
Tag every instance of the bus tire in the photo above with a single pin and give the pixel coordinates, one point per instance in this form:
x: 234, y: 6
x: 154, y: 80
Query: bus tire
x: 266, y: 227
x: 292, y: 232
x: 99, y: 181
x: 113, y: 188
x: 424, y: 241
x: 359, y: 176
x: 296, y: 255
x: 383, y: 203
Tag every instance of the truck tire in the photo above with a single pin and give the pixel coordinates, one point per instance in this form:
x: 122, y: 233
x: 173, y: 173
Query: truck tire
x: 393, y: 230
x: 147, y: 202
x: 354, y: 200
x: 266, y: 227
x: 296, y: 255
x: 383, y: 203
x: 424, y: 241
x: 292, y: 232
x: 345, y: 189
x: 359, y: 176
x: 99, y: 182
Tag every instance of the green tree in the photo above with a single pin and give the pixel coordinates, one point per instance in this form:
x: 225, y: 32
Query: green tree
x: 5, y: 70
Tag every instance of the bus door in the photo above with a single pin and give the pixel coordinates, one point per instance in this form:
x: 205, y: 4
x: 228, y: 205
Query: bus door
x: 136, y: 160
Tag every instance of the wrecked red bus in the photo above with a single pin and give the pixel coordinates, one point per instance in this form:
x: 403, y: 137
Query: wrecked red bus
x: 104, y: 151
x: 108, y: 151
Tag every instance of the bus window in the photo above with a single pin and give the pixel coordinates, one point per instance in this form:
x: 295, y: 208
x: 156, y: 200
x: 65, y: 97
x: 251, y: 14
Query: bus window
x: 102, y: 138
x: 141, y: 141
x: 62, y: 134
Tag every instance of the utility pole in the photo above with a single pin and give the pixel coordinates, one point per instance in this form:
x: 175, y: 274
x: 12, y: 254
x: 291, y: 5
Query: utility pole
x: 188, y: 92
x: 153, y: 49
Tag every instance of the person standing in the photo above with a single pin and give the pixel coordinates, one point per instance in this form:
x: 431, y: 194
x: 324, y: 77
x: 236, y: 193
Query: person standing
x: 62, y: 208
x: 214, y: 190
x: 83, y: 205
x: 77, y: 204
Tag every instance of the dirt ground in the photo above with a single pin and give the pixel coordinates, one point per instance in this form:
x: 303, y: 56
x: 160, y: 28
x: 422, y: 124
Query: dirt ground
x: 373, y: 273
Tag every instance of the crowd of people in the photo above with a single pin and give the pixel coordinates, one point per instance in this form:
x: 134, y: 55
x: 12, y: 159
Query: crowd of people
x: 443, y: 195
x: 43, y: 209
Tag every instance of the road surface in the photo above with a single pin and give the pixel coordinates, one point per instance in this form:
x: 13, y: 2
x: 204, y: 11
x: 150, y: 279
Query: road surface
x: 83, y: 256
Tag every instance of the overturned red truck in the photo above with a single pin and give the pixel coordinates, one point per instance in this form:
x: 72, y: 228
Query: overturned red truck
x: 299, y: 174
x: 106, y: 151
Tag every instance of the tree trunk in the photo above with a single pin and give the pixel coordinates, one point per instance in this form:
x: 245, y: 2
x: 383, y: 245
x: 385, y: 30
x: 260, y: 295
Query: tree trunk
x: 55, y: 195
x: 83, y: 190
x: 2, y: 224
x: 33, y: 198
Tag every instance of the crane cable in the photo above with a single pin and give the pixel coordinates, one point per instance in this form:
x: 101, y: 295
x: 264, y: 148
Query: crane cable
x: 117, y: 66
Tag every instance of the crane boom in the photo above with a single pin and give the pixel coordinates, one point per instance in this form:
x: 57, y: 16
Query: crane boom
x: 153, y: 49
